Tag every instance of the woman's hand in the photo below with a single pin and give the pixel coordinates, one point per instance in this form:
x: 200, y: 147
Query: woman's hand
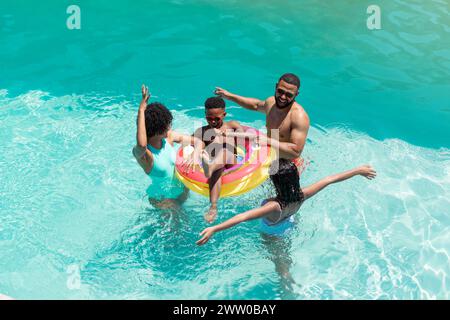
x: 188, y: 165
x: 206, y: 234
x: 145, y: 96
x: 190, y: 158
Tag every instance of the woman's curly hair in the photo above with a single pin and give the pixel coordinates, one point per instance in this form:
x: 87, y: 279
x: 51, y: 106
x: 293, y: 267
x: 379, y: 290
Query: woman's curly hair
x: 158, y: 119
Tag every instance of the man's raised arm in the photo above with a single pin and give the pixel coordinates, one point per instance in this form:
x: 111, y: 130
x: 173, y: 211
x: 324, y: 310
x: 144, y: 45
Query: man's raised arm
x: 248, y: 103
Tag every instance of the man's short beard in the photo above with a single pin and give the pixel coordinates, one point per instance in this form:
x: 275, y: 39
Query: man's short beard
x: 285, y: 106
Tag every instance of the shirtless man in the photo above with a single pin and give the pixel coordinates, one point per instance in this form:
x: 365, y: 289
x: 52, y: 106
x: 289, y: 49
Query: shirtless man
x: 286, y: 121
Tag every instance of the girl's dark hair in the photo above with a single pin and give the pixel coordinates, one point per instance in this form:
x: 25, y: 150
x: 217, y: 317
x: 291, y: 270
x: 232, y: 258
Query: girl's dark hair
x: 285, y: 177
x: 157, y: 119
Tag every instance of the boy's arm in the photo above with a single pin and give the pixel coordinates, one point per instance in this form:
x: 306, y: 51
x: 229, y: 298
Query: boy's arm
x: 235, y: 126
x: 235, y: 130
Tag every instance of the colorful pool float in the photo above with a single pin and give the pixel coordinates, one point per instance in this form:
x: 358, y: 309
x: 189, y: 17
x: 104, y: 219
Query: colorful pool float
x: 251, y: 170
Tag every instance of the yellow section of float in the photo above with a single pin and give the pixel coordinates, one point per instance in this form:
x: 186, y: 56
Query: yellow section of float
x: 237, y: 187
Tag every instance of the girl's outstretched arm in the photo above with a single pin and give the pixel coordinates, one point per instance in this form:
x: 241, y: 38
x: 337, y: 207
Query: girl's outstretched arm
x: 268, y: 208
x: 364, y: 170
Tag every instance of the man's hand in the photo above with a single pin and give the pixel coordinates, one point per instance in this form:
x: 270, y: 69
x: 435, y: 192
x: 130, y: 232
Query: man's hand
x: 248, y: 103
x: 206, y: 233
x: 222, y: 92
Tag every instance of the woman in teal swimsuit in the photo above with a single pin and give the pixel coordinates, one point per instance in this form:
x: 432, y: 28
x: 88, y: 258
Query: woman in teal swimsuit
x: 155, y: 153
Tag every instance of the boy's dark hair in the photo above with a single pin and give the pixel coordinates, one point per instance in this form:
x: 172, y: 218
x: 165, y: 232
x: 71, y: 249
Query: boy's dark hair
x: 291, y: 79
x: 157, y: 119
x: 214, y: 102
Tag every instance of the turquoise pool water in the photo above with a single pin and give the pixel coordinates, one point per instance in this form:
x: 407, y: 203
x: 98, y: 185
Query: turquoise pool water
x: 73, y: 198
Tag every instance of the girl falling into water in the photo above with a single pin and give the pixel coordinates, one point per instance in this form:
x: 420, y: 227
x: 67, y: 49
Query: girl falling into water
x: 277, y: 214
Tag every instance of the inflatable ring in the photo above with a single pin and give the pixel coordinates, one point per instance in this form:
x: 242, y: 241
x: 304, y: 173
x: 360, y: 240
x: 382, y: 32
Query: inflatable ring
x: 251, y: 170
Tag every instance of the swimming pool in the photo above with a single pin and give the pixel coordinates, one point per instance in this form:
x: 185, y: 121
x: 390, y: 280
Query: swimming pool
x: 73, y: 199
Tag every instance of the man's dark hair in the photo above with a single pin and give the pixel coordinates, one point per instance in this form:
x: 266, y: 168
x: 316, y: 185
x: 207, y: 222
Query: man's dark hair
x: 291, y: 79
x: 157, y: 119
x: 214, y: 102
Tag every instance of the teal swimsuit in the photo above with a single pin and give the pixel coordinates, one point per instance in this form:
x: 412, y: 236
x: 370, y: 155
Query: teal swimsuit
x: 164, y: 184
